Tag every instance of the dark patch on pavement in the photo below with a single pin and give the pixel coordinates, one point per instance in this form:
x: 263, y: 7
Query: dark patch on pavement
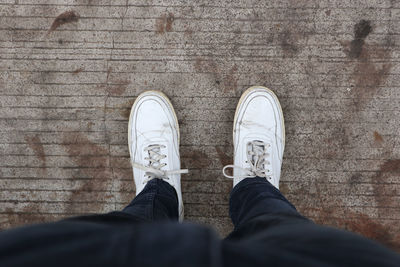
x: 28, y: 215
x: 223, y: 157
x: 228, y: 81
x: 93, y: 161
x: 378, y: 138
x: 353, y: 221
x: 387, y: 170
x: 366, y: 226
x: 195, y: 159
x: 355, y: 179
x: 368, y: 75
x: 75, y: 72
x: 164, y: 23
x: 64, y: 18
x: 117, y: 88
x: 361, y: 31
x: 113, y: 86
x: 284, y: 188
x: 359, y: 223
x: 125, y: 113
x: 392, y: 165
x: 36, y: 145
x: 288, y: 44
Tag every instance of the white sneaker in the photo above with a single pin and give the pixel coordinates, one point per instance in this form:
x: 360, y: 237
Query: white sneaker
x: 258, y: 137
x: 153, y: 139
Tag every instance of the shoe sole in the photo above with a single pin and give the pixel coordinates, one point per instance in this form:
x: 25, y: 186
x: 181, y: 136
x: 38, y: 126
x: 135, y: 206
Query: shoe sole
x: 162, y: 95
x: 243, y: 97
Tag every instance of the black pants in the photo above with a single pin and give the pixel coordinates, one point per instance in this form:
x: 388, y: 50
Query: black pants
x: 268, y: 232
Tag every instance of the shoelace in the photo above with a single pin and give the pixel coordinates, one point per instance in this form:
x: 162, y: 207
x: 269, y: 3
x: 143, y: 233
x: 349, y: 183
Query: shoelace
x: 153, y: 169
x: 257, y: 158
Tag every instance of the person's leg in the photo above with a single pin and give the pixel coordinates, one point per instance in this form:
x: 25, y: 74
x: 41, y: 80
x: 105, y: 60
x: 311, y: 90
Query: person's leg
x: 153, y: 141
x: 92, y: 243
x: 259, y: 142
x: 157, y: 201
x: 268, y: 229
x: 254, y: 198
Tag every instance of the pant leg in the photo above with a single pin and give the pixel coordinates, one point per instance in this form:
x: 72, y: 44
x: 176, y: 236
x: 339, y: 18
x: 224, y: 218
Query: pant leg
x: 256, y: 197
x: 116, y: 238
x: 269, y: 230
x: 157, y: 201
x: 84, y: 243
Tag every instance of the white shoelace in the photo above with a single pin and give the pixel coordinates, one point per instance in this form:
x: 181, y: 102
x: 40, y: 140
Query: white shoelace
x: 257, y: 157
x: 153, y: 169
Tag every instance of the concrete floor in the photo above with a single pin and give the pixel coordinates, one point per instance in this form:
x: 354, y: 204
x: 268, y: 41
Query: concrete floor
x: 70, y: 70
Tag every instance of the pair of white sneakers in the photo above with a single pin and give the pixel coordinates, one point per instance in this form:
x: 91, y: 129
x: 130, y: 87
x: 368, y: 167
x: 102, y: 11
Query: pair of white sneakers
x: 258, y: 139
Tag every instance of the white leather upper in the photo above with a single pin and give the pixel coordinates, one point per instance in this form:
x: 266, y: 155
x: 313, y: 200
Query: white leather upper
x: 259, y: 118
x: 153, y: 121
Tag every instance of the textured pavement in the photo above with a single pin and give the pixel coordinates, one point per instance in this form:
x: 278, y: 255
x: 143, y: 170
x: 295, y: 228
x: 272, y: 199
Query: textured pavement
x: 70, y: 70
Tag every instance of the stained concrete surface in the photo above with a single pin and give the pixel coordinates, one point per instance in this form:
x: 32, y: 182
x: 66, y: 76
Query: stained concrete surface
x: 70, y: 70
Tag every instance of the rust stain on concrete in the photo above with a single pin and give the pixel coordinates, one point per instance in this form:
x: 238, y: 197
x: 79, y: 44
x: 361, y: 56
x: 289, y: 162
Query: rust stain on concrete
x: 392, y: 165
x: 227, y: 80
x: 36, y: 145
x: 383, y: 196
x: 353, y: 221
x: 93, y: 161
x: 230, y: 81
x: 75, y: 72
x: 164, y: 23
x: 28, y: 215
x: 359, y: 223
x: 223, y: 157
x: 112, y: 86
x: 198, y: 65
x: 366, y: 226
x: 378, y: 138
x: 118, y: 88
x: 367, y: 74
x: 63, y: 18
